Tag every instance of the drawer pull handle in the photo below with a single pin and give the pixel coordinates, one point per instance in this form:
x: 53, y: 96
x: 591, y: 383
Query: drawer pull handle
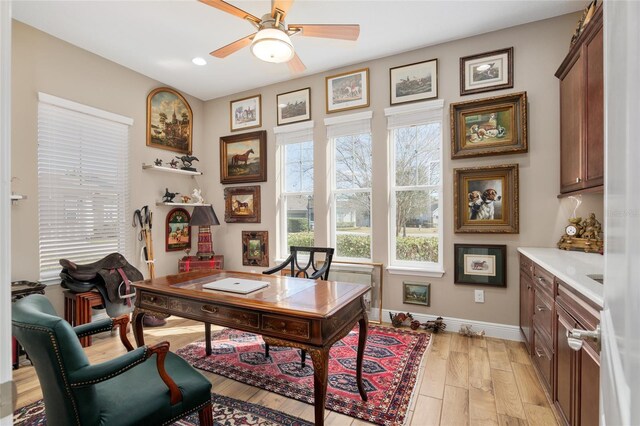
x: 539, y: 353
x: 541, y: 280
x: 209, y: 309
x: 578, y: 180
x: 283, y: 325
x: 528, y: 287
x: 541, y: 308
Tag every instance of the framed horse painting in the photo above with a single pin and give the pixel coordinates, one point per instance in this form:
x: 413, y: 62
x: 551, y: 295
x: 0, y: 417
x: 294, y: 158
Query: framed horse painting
x: 242, y: 204
x: 243, y: 158
x: 246, y: 113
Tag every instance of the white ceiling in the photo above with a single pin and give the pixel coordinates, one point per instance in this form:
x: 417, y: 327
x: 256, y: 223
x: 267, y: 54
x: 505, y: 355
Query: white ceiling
x: 159, y: 38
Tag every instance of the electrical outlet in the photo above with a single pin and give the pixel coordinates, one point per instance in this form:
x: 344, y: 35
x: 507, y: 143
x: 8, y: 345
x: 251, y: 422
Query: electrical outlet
x: 479, y: 296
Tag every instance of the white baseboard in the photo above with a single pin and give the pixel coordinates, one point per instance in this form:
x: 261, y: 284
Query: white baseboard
x: 491, y: 329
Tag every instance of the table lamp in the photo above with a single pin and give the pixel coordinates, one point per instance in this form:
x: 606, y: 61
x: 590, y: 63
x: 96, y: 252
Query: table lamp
x: 203, y: 217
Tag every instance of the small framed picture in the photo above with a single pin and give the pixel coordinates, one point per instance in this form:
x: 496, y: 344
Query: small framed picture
x: 414, y: 82
x: 255, y: 248
x: 246, y: 113
x: 482, y: 264
x: 416, y: 293
x: 486, y: 72
x: 242, y: 204
x: 348, y: 90
x: 243, y: 158
x: 491, y: 126
x: 178, y: 231
x: 485, y: 199
x: 169, y: 121
x: 294, y: 106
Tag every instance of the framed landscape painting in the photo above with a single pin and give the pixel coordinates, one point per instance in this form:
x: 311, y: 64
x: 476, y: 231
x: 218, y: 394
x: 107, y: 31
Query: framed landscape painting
x: 486, y: 72
x: 486, y: 199
x: 246, y: 113
x: 480, y: 264
x: 243, y: 158
x: 242, y: 204
x: 416, y: 293
x: 414, y: 82
x: 294, y: 106
x: 169, y: 121
x: 255, y: 248
x: 491, y: 126
x: 348, y: 90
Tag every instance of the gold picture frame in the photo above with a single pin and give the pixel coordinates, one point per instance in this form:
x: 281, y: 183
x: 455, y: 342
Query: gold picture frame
x: 485, y: 199
x: 245, y: 113
x: 169, y: 121
x: 348, y: 90
x: 490, y: 126
x: 243, y: 157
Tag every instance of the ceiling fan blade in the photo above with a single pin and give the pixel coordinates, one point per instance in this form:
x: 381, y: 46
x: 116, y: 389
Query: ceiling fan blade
x: 343, y: 32
x: 282, y: 5
x: 295, y: 65
x: 226, y: 7
x: 230, y: 48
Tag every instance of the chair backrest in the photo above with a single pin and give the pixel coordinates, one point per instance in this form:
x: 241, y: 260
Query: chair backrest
x: 302, y: 262
x: 55, y: 351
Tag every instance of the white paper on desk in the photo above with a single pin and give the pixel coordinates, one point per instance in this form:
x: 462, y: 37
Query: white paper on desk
x: 236, y: 285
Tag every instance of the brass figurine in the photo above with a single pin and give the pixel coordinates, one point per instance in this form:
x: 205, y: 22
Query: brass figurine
x: 583, y: 235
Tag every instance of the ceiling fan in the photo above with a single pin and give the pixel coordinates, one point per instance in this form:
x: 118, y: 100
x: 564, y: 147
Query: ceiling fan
x: 271, y: 43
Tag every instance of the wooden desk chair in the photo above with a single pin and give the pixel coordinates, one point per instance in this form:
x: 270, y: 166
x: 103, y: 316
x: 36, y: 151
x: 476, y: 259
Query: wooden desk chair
x: 302, y: 263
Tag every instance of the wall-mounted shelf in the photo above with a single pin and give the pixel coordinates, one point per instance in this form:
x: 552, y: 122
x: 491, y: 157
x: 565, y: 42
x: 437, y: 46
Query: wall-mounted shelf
x: 170, y: 170
x: 161, y: 203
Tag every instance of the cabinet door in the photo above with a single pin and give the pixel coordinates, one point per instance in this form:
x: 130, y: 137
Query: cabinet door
x: 526, y: 309
x: 594, y: 143
x: 572, y: 101
x: 565, y: 366
x: 588, y: 391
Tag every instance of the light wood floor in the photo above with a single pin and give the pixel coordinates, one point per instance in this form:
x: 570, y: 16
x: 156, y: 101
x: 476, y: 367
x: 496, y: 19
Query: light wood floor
x: 477, y: 381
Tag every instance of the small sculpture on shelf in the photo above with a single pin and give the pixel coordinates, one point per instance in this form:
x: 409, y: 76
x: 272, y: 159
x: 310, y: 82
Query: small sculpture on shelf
x: 169, y: 196
x: 197, y: 196
x: 187, y: 160
x: 174, y: 163
x: 158, y: 162
x: 185, y: 199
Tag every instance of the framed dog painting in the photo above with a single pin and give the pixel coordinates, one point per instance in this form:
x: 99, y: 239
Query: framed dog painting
x: 485, y: 199
x: 491, y: 126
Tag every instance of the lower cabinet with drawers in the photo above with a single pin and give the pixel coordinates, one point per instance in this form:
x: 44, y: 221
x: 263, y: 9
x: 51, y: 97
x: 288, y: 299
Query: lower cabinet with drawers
x: 549, y: 310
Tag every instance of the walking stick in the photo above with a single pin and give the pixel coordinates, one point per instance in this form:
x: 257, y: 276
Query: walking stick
x: 151, y: 260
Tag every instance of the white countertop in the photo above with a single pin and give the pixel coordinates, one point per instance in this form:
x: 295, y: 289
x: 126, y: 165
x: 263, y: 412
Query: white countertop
x: 572, y: 268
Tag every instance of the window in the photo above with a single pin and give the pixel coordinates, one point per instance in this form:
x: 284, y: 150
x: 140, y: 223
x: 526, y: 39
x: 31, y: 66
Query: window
x: 415, y: 138
x: 296, y: 218
x: 83, y: 183
x: 350, y: 138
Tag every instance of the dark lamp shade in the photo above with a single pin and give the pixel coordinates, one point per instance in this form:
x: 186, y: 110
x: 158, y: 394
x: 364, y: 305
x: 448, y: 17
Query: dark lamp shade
x: 203, y: 216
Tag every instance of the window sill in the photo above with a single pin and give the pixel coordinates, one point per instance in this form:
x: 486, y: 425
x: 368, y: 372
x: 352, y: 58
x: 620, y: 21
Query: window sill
x: 422, y: 272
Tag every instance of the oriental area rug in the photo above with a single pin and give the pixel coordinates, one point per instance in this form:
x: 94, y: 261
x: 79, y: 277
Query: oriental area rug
x: 392, y: 360
x: 226, y: 411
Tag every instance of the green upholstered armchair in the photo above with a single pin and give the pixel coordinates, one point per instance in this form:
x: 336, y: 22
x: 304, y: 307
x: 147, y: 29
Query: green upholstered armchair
x: 146, y: 386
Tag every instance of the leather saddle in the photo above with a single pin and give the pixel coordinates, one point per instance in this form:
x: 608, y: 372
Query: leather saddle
x: 111, y: 276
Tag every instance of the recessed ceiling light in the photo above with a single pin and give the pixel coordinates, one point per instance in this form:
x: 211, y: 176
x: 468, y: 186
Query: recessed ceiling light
x: 199, y: 61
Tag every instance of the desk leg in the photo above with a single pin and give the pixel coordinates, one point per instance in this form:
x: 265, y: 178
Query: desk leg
x: 138, y: 330
x: 320, y: 358
x: 362, y: 342
x: 207, y: 338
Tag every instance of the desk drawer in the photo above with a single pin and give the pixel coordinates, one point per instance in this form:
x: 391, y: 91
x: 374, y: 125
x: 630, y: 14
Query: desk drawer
x: 285, y: 326
x: 222, y: 314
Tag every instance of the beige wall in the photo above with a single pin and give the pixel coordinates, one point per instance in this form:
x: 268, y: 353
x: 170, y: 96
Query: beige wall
x: 43, y: 63
x: 539, y: 48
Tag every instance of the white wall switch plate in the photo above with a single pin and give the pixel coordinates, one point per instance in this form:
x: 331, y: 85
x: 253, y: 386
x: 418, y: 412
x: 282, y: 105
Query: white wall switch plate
x: 479, y: 296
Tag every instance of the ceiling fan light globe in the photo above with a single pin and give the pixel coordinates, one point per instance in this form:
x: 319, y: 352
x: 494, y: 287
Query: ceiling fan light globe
x: 272, y: 45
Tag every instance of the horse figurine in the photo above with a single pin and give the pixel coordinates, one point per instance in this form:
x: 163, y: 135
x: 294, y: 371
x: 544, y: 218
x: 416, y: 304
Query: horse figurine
x: 186, y: 162
x: 169, y: 196
x: 197, y: 196
x: 237, y: 158
x: 173, y: 163
x: 158, y: 162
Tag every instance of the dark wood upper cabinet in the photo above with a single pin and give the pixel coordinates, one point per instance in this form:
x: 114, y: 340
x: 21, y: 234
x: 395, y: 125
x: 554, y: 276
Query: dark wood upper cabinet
x: 582, y: 112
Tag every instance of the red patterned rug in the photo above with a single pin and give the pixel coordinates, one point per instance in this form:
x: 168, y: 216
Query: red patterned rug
x: 391, y: 363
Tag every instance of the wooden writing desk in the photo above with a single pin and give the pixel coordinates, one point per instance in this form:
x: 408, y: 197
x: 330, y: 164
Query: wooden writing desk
x: 295, y: 312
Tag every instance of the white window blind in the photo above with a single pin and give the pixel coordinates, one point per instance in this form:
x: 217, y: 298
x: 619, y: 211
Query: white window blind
x: 348, y: 125
x: 294, y: 133
x: 83, y: 183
